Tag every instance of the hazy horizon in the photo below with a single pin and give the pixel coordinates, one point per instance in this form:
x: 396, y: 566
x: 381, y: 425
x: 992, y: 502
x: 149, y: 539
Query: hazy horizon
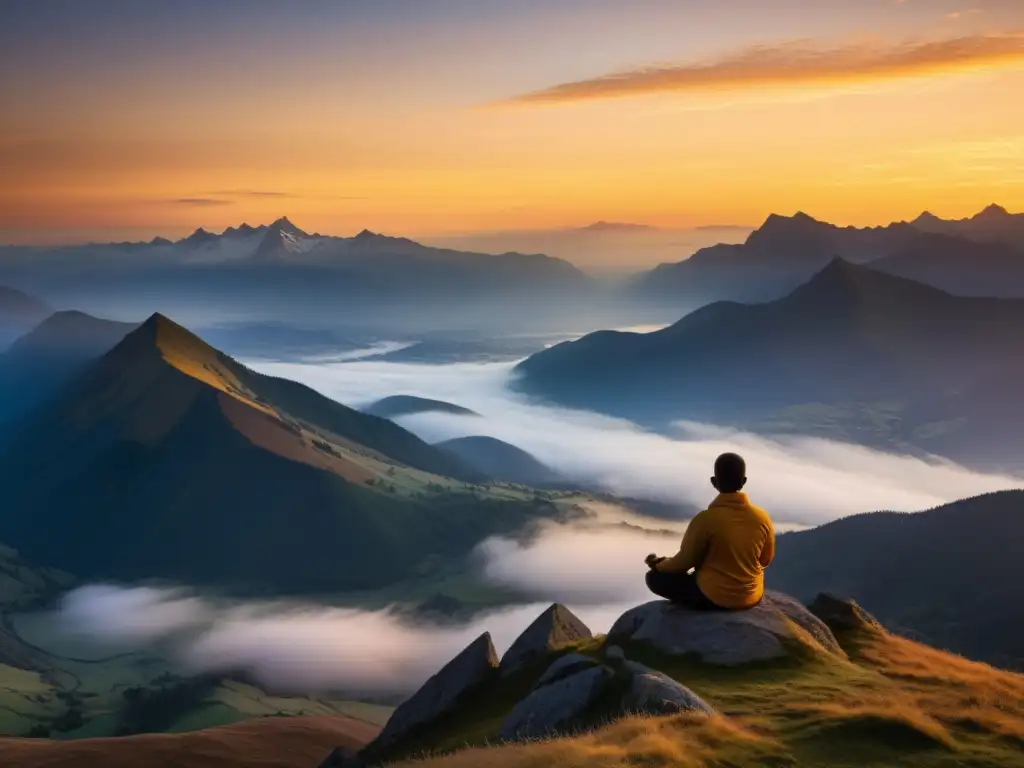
x: 426, y: 121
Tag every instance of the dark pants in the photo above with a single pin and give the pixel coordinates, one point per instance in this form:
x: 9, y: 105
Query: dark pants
x: 680, y: 588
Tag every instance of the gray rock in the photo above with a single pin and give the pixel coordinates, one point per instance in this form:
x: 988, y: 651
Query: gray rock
x: 556, y: 628
x: 722, y: 637
x: 468, y: 671
x: 551, y: 709
x: 654, y: 693
x: 840, y: 614
x: 614, y: 654
x: 564, y: 666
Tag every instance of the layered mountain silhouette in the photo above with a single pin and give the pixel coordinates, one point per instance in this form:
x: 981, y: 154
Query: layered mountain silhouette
x: 853, y: 353
x: 48, y: 357
x: 166, y: 458
x: 18, y: 313
x: 978, y: 256
x: 950, y: 576
x: 993, y: 225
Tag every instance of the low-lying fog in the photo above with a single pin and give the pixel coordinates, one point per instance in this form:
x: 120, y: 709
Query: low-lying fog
x: 597, y: 571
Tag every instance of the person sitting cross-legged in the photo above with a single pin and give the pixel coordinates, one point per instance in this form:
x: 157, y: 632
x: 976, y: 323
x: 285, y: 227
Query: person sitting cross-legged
x: 728, y: 546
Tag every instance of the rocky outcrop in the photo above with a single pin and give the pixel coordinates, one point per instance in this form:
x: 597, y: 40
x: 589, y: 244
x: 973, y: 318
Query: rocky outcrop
x: 841, y: 614
x: 553, y: 630
x: 574, y: 686
x: 763, y: 632
x: 552, y: 708
x: 464, y: 674
x: 654, y: 693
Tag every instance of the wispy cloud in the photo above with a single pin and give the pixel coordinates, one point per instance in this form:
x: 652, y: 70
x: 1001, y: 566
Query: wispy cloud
x: 254, y: 193
x: 796, y: 63
x: 200, y: 201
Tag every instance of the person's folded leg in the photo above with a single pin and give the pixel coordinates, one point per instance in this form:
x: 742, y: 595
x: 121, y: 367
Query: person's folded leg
x: 679, y: 588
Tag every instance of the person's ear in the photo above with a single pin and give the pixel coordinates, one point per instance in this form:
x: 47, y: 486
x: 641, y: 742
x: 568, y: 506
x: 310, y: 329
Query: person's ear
x: 744, y: 481
x: 714, y: 483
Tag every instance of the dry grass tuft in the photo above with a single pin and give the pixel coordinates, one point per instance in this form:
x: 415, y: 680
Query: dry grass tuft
x: 662, y: 742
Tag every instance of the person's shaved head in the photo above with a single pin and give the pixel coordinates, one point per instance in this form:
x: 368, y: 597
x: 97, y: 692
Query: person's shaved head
x: 730, y: 473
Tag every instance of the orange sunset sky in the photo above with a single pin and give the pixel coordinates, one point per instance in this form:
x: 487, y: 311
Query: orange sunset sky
x: 125, y: 120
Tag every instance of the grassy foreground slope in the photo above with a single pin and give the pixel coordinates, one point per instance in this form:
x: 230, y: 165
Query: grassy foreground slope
x: 893, y: 702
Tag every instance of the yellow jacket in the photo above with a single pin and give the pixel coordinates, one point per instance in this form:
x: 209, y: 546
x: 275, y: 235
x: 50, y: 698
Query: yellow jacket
x: 730, y: 544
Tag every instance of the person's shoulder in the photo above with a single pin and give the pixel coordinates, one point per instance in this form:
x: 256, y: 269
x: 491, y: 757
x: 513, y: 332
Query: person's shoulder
x: 760, y: 512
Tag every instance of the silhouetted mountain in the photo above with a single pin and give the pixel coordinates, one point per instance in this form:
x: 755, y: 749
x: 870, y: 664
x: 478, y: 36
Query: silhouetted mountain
x: 406, y: 405
x: 951, y: 575
x: 781, y: 254
x: 854, y: 354
x: 993, y: 225
x: 48, y: 357
x: 959, y: 265
x: 166, y: 458
x: 18, y: 313
x: 786, y: 251
x: 504, y: 462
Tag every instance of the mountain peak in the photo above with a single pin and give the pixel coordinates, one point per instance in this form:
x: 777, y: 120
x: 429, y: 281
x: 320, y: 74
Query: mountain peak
x: 200, y: 236
x: 284, y: 224
x: 993, y: 211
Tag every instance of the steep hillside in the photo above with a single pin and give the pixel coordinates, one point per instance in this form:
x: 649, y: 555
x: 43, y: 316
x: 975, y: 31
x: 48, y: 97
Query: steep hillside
x: 853, y: 354
x: 166, y: 458
x: 963, y: 268
x: 18, y: 313
x: 504, y: 461
x: 950, y: 576
x: 48, y: 357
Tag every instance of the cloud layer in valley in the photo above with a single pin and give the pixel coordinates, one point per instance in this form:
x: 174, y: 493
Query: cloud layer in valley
x: 798, y: 63
x: 800, y: 480
x: 595, y: 567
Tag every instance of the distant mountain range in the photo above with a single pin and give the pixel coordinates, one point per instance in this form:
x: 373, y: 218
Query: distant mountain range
x: 981, y: 256
x: 853, y: 354
x: 993, y: 225
x: 166, y: 458
x: 604, y: 247
x: 950, y: 576
x: 281, y: 272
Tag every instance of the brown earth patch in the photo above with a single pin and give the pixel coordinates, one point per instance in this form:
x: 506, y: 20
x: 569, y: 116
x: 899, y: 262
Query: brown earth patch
x: 273, y: 742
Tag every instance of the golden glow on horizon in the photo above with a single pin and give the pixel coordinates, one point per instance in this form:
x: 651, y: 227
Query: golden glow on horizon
x: 845, y: 134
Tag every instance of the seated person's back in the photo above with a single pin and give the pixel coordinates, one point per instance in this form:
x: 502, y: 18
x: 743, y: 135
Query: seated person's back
x: 729, y: 544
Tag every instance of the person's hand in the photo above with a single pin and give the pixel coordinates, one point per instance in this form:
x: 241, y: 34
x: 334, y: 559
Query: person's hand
x: 652, y: 560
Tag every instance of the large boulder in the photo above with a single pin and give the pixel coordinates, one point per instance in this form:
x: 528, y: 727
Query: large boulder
x: 651, y: 692
x: 469, y: 671
x: 553, y: 630
x: 568, y: 693
x: 552, y: 708
x: 841, y: 614
x: 729, y: 638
